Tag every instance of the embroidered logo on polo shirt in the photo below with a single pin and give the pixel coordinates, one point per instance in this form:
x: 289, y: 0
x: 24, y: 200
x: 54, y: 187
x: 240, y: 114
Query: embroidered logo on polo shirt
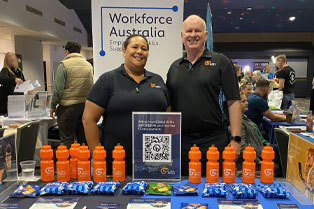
x: 206, y: 63
x: 152, y: 85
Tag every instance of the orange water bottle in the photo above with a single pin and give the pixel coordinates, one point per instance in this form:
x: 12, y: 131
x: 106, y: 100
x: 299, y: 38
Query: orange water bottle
x: 228, y: 166
x: 267, y: 165
x: 83, y: 164
x: 195, y: 165
x: 46, y: 164
x: 248, y: 165
x: 99, y: 164
x: 118, y: 164
x: 73, y: 161
x: 63, y: 165
x: 212, y: 166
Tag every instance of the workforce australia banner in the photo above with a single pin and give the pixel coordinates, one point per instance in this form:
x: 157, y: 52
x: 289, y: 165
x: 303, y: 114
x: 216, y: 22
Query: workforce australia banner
x: 160, y: 21
x: 156, y: 146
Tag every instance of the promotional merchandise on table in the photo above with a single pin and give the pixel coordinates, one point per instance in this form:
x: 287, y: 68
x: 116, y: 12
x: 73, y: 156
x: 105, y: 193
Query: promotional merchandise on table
x: 182, y: 194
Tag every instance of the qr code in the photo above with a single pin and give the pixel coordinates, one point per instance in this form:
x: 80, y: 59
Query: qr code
x: 156, y: 147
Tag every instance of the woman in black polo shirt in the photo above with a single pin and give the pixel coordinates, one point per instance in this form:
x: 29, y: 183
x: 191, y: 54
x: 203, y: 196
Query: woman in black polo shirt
x: 118, y: 93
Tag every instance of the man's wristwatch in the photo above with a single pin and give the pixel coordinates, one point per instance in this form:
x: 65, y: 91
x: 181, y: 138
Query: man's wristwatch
x: 236, y: 138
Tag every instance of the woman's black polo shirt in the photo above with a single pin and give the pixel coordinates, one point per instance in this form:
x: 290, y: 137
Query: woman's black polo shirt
x: 196, y: 90
x: 120, y: 95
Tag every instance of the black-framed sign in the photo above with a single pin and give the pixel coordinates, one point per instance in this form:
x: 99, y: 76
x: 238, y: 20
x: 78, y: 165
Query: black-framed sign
x: 156, y: 146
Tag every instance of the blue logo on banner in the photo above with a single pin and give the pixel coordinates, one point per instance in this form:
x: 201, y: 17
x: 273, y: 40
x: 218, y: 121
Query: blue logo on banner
x: 102, y: 51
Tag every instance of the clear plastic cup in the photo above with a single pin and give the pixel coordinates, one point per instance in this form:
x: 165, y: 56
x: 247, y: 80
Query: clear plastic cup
x: 28, y: 169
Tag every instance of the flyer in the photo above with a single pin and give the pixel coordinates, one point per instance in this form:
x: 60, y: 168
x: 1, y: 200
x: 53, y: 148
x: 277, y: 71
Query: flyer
x: 156, y: 146
x: 9, y: 205
x: 105, y: 205
x: 8, y: 168
x: 149, y: 203
x: 239, y: 204
x: 287, y: 206
x: 55, y: 203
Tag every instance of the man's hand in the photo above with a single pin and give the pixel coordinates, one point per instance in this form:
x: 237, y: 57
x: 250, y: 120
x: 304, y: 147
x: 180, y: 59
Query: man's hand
x: 236, y: 147
x: 18, y: 81
x: 53, y: 112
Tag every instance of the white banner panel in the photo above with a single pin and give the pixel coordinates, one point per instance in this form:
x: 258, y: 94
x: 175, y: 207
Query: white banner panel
x: 160, y: 21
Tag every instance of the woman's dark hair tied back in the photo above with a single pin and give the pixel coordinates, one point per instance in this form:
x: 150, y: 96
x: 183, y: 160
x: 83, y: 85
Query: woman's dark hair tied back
x: 128, y: 40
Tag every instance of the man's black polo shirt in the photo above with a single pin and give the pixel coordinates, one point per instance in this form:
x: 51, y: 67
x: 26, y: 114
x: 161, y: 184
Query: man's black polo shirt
x: 196, y: 91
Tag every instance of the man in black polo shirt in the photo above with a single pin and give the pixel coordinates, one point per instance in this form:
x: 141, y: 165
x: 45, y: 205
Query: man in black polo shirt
x: 198, y: 84
x: 286, y: 76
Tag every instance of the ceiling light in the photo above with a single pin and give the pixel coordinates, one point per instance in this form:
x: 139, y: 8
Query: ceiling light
x: 292, y: 18
x: 249, y: 8
x: 229, y: 13
x: 241, y: 18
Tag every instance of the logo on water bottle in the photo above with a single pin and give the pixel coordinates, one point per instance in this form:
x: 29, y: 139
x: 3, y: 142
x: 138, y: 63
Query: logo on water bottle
x: 61, y: 173
x: 49, y: 170
x: 268, y: 172
x: 193, y: 172
x: 228, y: 172
x: 117, y: 172
x: 81, y: 172
x: 248, y: 172
x: 99, y: 171
x: 213, y: 172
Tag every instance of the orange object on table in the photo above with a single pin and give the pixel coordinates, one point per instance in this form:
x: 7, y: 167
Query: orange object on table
x: 228, y: 166
x: 14, y: 125
x: 118, y: 164
x: 212, y: 166
x: 267, y: 165
x: 99, y: 164
x: 248, y: 165
x: 73, y: 161
x: 83, y: 164
x: 63, y: 165
x: 195, y: 165
x: 46, y: 164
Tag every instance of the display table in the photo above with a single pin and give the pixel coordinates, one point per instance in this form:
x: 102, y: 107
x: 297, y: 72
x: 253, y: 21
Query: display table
x: 270, y: 126
x: 44, y: 124
x: 91, y: 201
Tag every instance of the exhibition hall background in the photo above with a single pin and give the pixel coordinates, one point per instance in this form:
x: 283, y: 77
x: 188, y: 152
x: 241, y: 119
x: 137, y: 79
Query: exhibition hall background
x: 38, y: 29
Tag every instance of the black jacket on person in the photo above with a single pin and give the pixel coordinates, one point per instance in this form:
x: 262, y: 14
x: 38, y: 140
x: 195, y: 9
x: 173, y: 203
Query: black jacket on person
x: 7, y: 81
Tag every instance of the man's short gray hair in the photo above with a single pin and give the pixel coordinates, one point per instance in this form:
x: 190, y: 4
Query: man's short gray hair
x: 281, y: 58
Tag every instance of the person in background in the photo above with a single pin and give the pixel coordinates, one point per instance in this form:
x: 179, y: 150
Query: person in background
x: 246, y: 88
x: 198, y: 84
x: 266, y: 70
x: 117, y: 94
x: 257, y: 75
x: 258, y: 106
x: 251, y: 135
x: 238, y: 70
x: 286, y: 80
x: 248, y: 76
x: 312, y: 97
x: 10, y: 75
x: 73, y: 81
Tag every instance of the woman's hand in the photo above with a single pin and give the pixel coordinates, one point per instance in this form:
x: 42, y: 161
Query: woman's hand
x: 30, y: 92
x: 18, y: 81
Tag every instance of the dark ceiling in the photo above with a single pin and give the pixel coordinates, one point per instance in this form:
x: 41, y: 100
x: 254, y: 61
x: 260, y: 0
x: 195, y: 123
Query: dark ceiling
x: 235, y: 15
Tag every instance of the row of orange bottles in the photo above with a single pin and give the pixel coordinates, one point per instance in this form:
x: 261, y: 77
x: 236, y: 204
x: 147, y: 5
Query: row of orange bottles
x: 228, y: 166
x: 79, y: 165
